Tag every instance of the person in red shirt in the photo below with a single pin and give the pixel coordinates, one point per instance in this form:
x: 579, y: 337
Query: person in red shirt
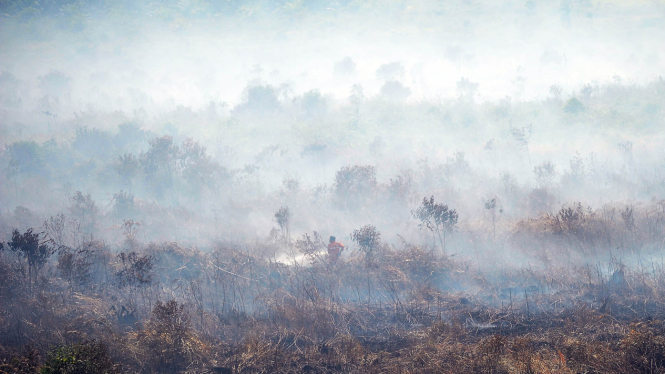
x: 335, y: 250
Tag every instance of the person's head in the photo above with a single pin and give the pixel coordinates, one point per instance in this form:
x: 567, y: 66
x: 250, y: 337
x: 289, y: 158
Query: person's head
x: 332, y: 239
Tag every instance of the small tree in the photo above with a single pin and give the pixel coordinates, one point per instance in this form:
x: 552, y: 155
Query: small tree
x: 127, y: 166
x: 492, y: 213
x: 35, y: 251
x: 545, y: 174
x: 522, y: 137
x: 573, y: 106
x: 283, y: 218
x: 159, y: 163
x: 196, y: 166
x: 369, y: 239
x: 436, y: 217
x: 85, y: 210
x: 130, y: 230
x: 123, y: 204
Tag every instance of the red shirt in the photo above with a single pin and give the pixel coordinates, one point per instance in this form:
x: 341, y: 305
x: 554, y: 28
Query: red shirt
x: 335, y: 249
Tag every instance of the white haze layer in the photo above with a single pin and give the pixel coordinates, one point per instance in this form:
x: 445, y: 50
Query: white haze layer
x: 475, y: 71
x: 514, y: 49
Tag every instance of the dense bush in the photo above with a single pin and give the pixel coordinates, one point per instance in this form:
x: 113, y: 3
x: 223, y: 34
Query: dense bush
x: 89, y: 357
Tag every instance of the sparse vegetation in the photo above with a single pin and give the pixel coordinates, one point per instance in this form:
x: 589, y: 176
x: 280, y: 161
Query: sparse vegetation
x: 437, y: 218
x: 328, y: 186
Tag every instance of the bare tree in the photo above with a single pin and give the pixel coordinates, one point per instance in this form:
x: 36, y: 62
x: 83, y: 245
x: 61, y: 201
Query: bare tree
x: 55, y: 229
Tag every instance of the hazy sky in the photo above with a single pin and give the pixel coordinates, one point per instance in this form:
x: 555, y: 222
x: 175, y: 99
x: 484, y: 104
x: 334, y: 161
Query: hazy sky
x: 517, y: 49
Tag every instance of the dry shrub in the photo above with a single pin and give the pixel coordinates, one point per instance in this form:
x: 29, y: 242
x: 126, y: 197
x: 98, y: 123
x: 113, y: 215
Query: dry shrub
x: 258, y: 355
x: 522, y: 355
x: 25, y: 363
x: 314, y: 320
x: 576, y: 355
x: 418, y: 264
x: 586, y: 231
x: 442, y: 331
x: 588, y: 354
x: 345, y: 350
x: 644, y: 352
x: 167, y: 344
x: 539, y: 200
x: 488, y: 355
x: 415, y: 273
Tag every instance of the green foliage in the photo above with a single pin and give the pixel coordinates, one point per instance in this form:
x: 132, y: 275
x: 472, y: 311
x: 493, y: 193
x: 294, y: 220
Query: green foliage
x: 81, y: 358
